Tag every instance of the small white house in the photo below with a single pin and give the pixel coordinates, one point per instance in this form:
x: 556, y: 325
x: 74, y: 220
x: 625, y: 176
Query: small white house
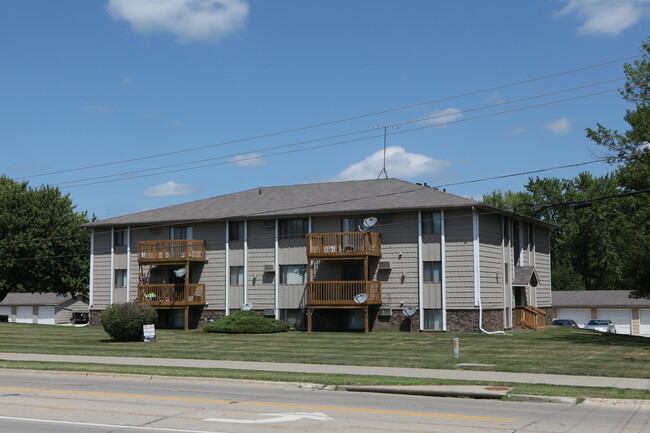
x: 629, y: 315
x: 42, y: 308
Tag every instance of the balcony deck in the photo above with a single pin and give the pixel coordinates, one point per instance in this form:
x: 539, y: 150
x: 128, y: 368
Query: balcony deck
x: 340, y: 294
x: 171, y: 295
x: 343, y: 245
x: 184, y: 250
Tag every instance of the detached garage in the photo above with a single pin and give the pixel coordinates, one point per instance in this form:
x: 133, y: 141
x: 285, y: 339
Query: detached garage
x: 629, y: 315
x: 42, y: 308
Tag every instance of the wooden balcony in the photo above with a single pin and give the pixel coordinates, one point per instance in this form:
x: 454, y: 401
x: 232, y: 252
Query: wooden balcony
x: 343, y: 245
x: 529, y: 317
x: 340, y: 294
x: 184, y: 250
x: 171, y: 295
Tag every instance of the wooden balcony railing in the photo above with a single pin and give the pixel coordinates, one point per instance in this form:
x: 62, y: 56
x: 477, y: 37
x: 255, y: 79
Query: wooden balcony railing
x: 171, y: 251
x: 340, y: 294
x: 343, y: 245
x: 530, y: 317
x: 171, y: 295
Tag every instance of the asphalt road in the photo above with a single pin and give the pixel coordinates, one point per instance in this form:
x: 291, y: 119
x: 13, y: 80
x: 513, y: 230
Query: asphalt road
x: 71, y: 404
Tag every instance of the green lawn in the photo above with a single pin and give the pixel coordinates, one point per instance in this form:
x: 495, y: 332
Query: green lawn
x: 555, y: 350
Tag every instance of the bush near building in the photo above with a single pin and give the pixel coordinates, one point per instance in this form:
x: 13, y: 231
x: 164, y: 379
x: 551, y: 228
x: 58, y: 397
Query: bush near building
x: 123, y: 322
x: 246, y: 322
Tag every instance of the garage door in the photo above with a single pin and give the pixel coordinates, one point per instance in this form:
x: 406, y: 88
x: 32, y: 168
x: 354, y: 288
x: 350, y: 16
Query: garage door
x: 25, y: 314
x: 644, y: 322
x: 46, y: 315
x: 580, y: 315
x: 621, y: 317
x: 6, y: 311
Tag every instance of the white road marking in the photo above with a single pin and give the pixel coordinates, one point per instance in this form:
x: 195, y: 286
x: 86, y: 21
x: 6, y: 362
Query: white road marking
x: 279, y: 417
x: 87, y: 424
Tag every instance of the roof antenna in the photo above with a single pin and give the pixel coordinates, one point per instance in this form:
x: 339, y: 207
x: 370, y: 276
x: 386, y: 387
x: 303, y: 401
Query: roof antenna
x: 383, y: 170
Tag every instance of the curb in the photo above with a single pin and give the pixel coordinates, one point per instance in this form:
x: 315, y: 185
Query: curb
x: 426, y: 392
x: 543, y: 399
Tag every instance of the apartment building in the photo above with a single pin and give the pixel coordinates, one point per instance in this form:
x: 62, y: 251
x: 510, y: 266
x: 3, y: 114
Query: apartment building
x: 329, y: 256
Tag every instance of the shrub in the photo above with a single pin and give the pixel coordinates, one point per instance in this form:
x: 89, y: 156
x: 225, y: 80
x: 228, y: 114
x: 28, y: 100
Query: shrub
x: 246, y: 322
x: 123, y: 322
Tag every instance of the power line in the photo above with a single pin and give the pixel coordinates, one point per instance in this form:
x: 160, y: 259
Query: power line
x: 347, y: 119
x: 126, y: 176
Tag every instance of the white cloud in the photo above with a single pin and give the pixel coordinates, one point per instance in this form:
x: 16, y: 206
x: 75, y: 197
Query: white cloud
x: 247, y: 160
x: 399, y: 164
x: 606, y: 17
x: 516, y: 130
x: 187, y: 19
x: 560, y: 126
x: 496, y: 98
x: 442, y: 117
x: 171, y: 188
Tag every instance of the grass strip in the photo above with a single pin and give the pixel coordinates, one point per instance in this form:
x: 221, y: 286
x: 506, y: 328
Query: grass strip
x: 325, y: 379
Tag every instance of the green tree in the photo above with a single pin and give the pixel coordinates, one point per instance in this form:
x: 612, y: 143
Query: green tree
x: 630, y: 152
x: 42, y: 247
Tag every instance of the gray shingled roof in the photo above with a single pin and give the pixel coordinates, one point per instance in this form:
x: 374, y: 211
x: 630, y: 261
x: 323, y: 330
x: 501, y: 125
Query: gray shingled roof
x: 597, y: 298
x: 34, y: 299
x: 525, y: 275
x: 386, y: 195
x: 330, y: 198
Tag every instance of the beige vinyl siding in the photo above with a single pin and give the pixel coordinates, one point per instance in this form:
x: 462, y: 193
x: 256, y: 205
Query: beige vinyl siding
x: 432, y: 295
x: 212, y: 273
x: 291, y: 296
x: 330, y: 224
x: 400, y: 284
x: 102, y: 269
x: 490, y: 253
x: 543, y: 265
x: 292, y: 251
x: 63, y: 312
x: 261, y: 250
x: 459, y: 257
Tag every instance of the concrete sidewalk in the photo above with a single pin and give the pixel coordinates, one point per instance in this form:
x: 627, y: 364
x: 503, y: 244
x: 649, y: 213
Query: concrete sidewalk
x: 487, y: 376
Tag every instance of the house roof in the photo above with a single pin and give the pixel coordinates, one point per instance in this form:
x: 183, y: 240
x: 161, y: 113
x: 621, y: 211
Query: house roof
x: 597, y: 298
x: 525, y: 276
x: 351, y: 197
x: 34, y: 299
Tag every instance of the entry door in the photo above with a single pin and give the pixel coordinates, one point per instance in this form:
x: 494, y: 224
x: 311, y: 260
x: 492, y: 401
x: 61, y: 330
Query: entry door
x: 520, y: 296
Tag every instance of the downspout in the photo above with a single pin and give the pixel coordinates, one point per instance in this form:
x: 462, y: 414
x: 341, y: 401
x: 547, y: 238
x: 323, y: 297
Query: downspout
x: 276, y: 270
x: 112, y: 265
x: 443, y: 266
x: 91, y: 279
x: 477, y: 274
x: 420, y: 271
x: 245, y: 261
x: 128, y: 263
x: 227, y: 267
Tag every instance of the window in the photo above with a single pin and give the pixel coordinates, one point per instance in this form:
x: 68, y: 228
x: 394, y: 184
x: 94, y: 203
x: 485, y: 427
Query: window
x: 295, y: 228
x: 178, y: 233
x: 120, y: 278
x: 236, y: 231
x: 118, y: 238
x: 433, y: 319
x: 293, y: 274
x: 237, y: 275
x: 432, y: 272
x: 431, y: 222
x: 351, y: 224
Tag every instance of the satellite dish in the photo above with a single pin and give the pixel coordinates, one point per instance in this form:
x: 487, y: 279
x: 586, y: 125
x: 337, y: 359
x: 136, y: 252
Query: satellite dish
x: 360, y: 298
x: 368, y: 223
x: 302, y: 271
x: 410, y: 311
x: 180, y: 273
x: 247, y: 306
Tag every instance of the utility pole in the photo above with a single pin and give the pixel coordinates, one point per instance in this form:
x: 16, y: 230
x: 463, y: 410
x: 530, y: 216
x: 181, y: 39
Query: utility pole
x: 385, y: 128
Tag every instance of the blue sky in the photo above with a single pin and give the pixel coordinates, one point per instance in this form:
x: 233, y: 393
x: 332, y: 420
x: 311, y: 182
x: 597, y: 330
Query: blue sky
x: 90, y: 83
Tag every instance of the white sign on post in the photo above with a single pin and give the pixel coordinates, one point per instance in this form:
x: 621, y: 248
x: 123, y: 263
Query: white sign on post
x: 149, y: 332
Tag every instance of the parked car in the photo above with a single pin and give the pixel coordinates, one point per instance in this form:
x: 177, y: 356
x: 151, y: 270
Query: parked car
x: 602, y: 325
x: 565, y: 322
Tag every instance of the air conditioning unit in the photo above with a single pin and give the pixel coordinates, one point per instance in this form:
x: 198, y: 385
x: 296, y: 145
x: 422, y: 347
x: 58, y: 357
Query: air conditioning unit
x: 269, y: 268
x: 384, y: 265
x: 384, y: 312
x: 269, y: 312
x: 269, y: 224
